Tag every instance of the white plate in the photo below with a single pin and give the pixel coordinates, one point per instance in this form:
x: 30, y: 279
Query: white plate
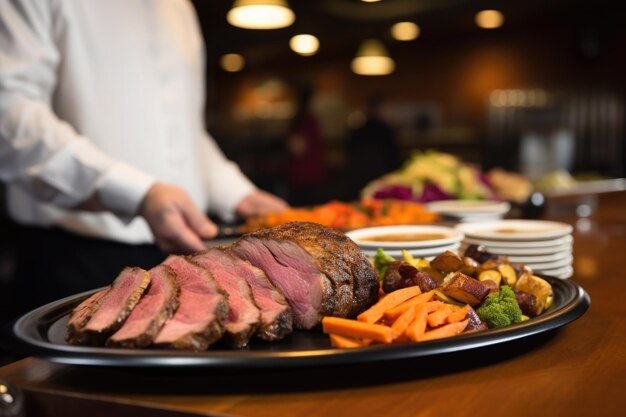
x: 497, y: 250
x: 470, y: 209
x: 449, y: 234
x: 562, y: 273
x: 417, y: 253
x: 547, y: 243
x: 542, y: 266
x: 515, y: 230
x: 534, y: 259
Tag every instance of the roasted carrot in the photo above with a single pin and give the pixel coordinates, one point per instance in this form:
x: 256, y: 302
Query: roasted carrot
x: 357, y: 329
x: 444, y: 331
x: 439, y: 316
x: 375, y: 312
x: 418, y: 325
x: 401, y: 324
x: 347, y: 342
x: 395, y: 312
x: 459, y: 314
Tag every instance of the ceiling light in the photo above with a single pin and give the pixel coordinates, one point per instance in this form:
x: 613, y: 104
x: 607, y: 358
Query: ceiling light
x: 232, y: 62
x: 489, y: 19
x: 370, y: 1
x: 304, y: 44
x: 260, y: 14
x: 372, y: 58
x: 405, y: 31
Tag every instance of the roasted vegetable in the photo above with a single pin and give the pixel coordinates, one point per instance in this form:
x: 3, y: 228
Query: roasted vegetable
x: 527, y: 302
x: 500, y: 309
x: 401, y: 274
x: 464, y: 289
x: 478, y: 253
x: 447, y: 262
x: 539, y: 287
x: 382, y: 261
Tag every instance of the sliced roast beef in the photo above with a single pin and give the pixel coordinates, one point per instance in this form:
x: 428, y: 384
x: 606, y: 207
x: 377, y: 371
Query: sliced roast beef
x: 114, y: 306
x: 202, y: 310
x: 155, y: 307
x: 276, y: 315
x: 244, y: 317
x: 81, y: 315
x: 318, y: 269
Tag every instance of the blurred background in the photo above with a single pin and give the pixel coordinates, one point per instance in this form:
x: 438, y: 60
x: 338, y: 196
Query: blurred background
x: 539, y: 87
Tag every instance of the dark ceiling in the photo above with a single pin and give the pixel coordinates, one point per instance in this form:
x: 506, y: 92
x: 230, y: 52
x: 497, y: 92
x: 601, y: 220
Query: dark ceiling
x: 342, y: 24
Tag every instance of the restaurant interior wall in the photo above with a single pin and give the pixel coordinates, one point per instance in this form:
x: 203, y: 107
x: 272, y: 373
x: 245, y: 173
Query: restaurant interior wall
x: 451, y: 71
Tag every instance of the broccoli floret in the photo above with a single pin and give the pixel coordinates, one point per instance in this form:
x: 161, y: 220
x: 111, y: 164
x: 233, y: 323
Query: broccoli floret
x: 381, y: 262
x: 500, y: 309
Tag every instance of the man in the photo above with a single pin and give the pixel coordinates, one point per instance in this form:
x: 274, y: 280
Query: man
x: 102, y: 140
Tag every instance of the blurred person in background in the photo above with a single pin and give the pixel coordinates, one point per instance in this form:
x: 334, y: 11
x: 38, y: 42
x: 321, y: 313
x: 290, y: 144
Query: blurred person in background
x: 306, y: 169
x: 102, y: 142
x: 371, y: 150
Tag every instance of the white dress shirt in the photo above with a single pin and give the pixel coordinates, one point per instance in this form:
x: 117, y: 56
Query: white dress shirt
x: 105, y: 97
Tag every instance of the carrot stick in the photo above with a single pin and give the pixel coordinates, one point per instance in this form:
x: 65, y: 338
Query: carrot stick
x: 401, y: 324
x: 375, y: 312
x: 459, y: 314
x: 418, y: 325
x: 357, y: 329
x: 393, y: 313
x: 439, y: 316
x: 444, y: 331
x: 346, y: 342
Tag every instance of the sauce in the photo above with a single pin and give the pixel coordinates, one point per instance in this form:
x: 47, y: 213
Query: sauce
x: 512, y: 231
x: 403, y: 237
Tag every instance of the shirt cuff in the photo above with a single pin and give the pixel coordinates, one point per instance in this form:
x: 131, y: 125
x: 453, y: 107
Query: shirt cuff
x: 123, y: 188
x: 225, y: 206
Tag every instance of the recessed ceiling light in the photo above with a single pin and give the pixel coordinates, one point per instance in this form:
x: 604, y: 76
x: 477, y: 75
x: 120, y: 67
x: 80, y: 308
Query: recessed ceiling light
x: 405, y: 31
x: 304, y: 44
x: 260, y: 14
x: 489, y: 19
x: 232, y: 62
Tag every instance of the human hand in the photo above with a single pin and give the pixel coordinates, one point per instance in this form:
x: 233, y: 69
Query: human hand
x: 177, y: 224
x: 260, y: 202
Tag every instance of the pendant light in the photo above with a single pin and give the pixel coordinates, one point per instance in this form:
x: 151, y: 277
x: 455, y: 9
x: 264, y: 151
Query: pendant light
x: 372, y: 58
x: 260, y: 14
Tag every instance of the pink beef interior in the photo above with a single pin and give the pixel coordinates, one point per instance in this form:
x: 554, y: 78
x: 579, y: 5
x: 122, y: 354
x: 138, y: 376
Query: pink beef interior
x: 198, y: 300
x: 292, y: 270
x: 243, y: 312
x: 270, y: 301
x: 153, y: 301
x: 117, y: 299
x: 82, y: 312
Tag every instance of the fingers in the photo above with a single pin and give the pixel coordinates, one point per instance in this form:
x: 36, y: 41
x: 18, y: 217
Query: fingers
x: 175, y: 236
x: 198, y: 221
x: 176, y: 223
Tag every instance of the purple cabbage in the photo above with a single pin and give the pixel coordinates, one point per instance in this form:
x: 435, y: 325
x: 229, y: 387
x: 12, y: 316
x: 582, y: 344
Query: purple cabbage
x: 397, y: 192
x: 433, y: 192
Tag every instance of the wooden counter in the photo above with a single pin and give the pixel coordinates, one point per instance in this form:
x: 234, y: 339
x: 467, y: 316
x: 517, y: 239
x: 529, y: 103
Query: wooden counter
x: 577, y: 370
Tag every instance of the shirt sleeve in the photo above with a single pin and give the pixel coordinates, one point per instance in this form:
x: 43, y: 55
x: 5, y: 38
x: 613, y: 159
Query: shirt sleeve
x: 226, y: 184
x: 39, y: 152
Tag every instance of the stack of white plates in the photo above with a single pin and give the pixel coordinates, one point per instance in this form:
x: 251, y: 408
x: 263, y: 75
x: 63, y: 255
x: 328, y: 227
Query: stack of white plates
x: 421, y: 241
x: 470, y: 210
x: 544, y: 246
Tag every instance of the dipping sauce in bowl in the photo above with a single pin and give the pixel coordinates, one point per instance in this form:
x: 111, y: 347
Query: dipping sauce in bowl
x: 402, y: 237
x: 405, y: 236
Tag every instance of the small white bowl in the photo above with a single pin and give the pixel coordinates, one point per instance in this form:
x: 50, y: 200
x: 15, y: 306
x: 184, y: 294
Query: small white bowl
x: 405, y: 237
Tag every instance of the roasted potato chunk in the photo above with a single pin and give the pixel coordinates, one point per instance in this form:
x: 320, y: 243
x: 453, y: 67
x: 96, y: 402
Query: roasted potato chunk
x: 539, y: 287
x: 492, y: 275
x: 509, y: 277
x: 447, y: 262
x: 464, y: 289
